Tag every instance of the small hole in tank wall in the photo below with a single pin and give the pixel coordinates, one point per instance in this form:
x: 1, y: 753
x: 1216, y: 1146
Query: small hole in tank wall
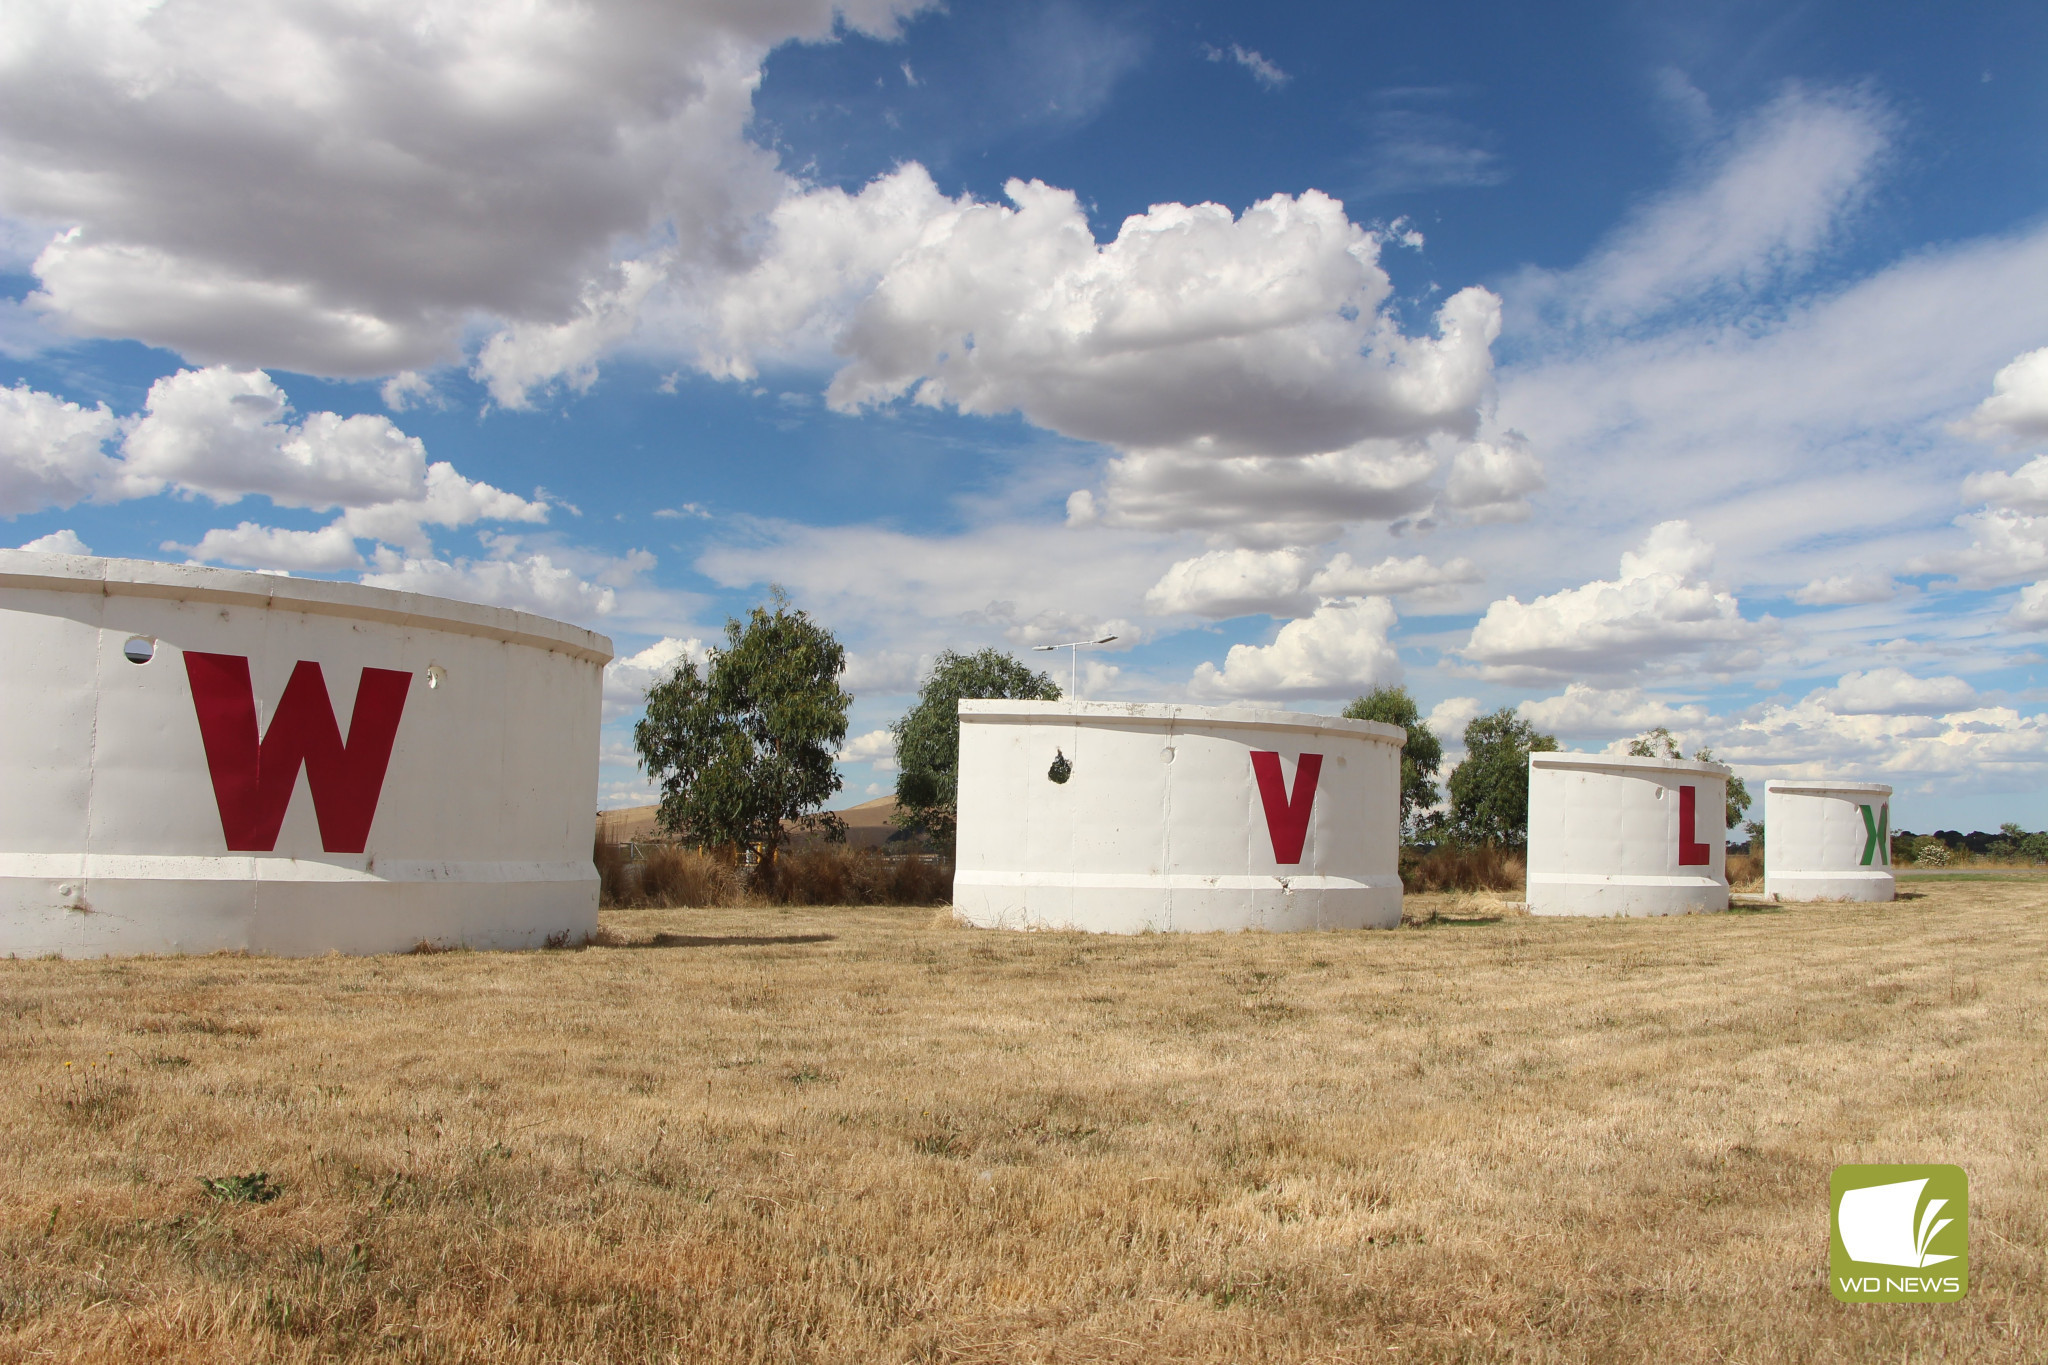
x: 140, y: 649
x: 1062, y: 767
x: 436, y: 675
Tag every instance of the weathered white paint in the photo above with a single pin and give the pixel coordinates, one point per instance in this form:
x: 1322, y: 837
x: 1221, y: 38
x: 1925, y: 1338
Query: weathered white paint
x: 1606, y: 835
x: 1827, y: 841
x: 1164, y: 821
x: 112, y: 836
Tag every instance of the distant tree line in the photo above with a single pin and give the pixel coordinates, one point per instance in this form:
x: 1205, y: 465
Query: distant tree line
x: 745, y: 747
x: 2011, y: 843
x: 1488, y: 792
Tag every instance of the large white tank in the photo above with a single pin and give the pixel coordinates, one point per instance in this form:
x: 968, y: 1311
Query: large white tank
x: 1626, y: 836
x: 1121, y: 818
x: 196, y: 759
x: 1827, y: 841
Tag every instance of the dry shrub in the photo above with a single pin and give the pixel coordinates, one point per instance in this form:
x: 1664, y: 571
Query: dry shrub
x: 1485, y: 867
x: 837, y: 875
x: 667, y: 877
x: 664, y: 877
x: 614, y: 881
x: 1745, y: 871
x: 686, y: 877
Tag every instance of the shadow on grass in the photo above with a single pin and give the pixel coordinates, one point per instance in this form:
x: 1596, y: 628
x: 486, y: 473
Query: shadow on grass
x: 729, y: 940
x: 1753, y: 908
x: 1443, y: 921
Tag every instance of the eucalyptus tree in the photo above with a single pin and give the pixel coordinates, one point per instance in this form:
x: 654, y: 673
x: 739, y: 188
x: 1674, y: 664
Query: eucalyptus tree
x: 750, y: 741
x: 928, y: 735
x: 1421, y: 757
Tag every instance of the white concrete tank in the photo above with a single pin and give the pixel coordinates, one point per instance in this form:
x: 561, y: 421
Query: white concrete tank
x: 196, y: 759
x: 1828, y: 841
x: 1626, y: 836
x: 1119, y: 818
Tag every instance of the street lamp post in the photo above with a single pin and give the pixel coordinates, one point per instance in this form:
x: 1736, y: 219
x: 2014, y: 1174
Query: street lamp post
x: 1074, y: 659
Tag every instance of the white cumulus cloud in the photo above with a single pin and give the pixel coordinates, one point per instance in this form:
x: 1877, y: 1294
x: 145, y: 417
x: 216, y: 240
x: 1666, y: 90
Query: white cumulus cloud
x: 532, y: 582
x: 52, y: 453
x: 445, y: 499
x: 267, y: 547
x: 1239, y: 582
x: 1895, y: 692
x: 1242, y: 364
x: 876, y: 747
x: 2007, y: 543
x: 1226, y: 583
x: 1659, y: 606
x: 1447, y: 721
x: 2025, y: 490
x: 342, y: 189
x: 2016, y: 413
x: 225, y: 434
x: 1417, y: 575
x: 1980, y: 749
x: 408, y: 389
x: 1341, y: 648
x: 64, y: 542
x: 627, y: 678
x: 2031, y: 611
x: 1492, y: 480
x: 1263, y: 500
x: 1582, y: 711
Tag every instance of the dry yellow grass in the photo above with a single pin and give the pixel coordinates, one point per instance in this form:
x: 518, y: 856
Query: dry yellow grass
x: 858, y: 1135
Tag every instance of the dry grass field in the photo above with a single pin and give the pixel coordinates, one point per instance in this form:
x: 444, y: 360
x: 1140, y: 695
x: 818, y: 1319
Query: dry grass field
x: 859, y: 1135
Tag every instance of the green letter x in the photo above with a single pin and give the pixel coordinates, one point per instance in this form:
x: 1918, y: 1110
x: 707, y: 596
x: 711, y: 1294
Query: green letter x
x: 1878, y: 842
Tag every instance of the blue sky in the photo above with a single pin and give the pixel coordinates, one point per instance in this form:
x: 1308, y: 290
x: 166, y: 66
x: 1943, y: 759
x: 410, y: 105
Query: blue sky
x: 1629, y: 364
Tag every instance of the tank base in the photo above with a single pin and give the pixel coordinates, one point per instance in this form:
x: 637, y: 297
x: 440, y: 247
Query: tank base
x: 1558, y: 893
x: 295, y: 908
x: 1137, y: 904
x: 1830, y: 886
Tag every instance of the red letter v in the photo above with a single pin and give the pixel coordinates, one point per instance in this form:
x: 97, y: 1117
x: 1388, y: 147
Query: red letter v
x: 1287, y: 816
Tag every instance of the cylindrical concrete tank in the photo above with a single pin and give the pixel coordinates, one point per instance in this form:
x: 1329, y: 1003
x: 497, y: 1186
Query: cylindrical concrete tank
x: 1826, y: 841
x: 1626, y: 836
x: 196, y: 759
x: 1120, y: 818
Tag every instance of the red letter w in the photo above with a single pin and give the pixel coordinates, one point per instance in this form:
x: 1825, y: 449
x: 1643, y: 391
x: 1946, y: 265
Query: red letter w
x: 1287, y: 817
x: 253, y: 779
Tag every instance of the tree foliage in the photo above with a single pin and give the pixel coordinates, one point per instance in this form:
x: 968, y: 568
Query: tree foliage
x: 752, y: 740
x: 1660, y: 743
x: 928, y: 735
x: 1490, y: 789
x: 1420, y: 759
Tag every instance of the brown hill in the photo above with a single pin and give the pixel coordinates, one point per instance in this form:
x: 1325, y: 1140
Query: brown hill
x: 868, y: 825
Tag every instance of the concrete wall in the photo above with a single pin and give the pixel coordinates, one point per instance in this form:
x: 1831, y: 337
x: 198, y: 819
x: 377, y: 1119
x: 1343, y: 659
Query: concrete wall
x: 1608, y: 835
x: 139, y: 815
x: 1176, y: 818
x: 1827, y: 841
